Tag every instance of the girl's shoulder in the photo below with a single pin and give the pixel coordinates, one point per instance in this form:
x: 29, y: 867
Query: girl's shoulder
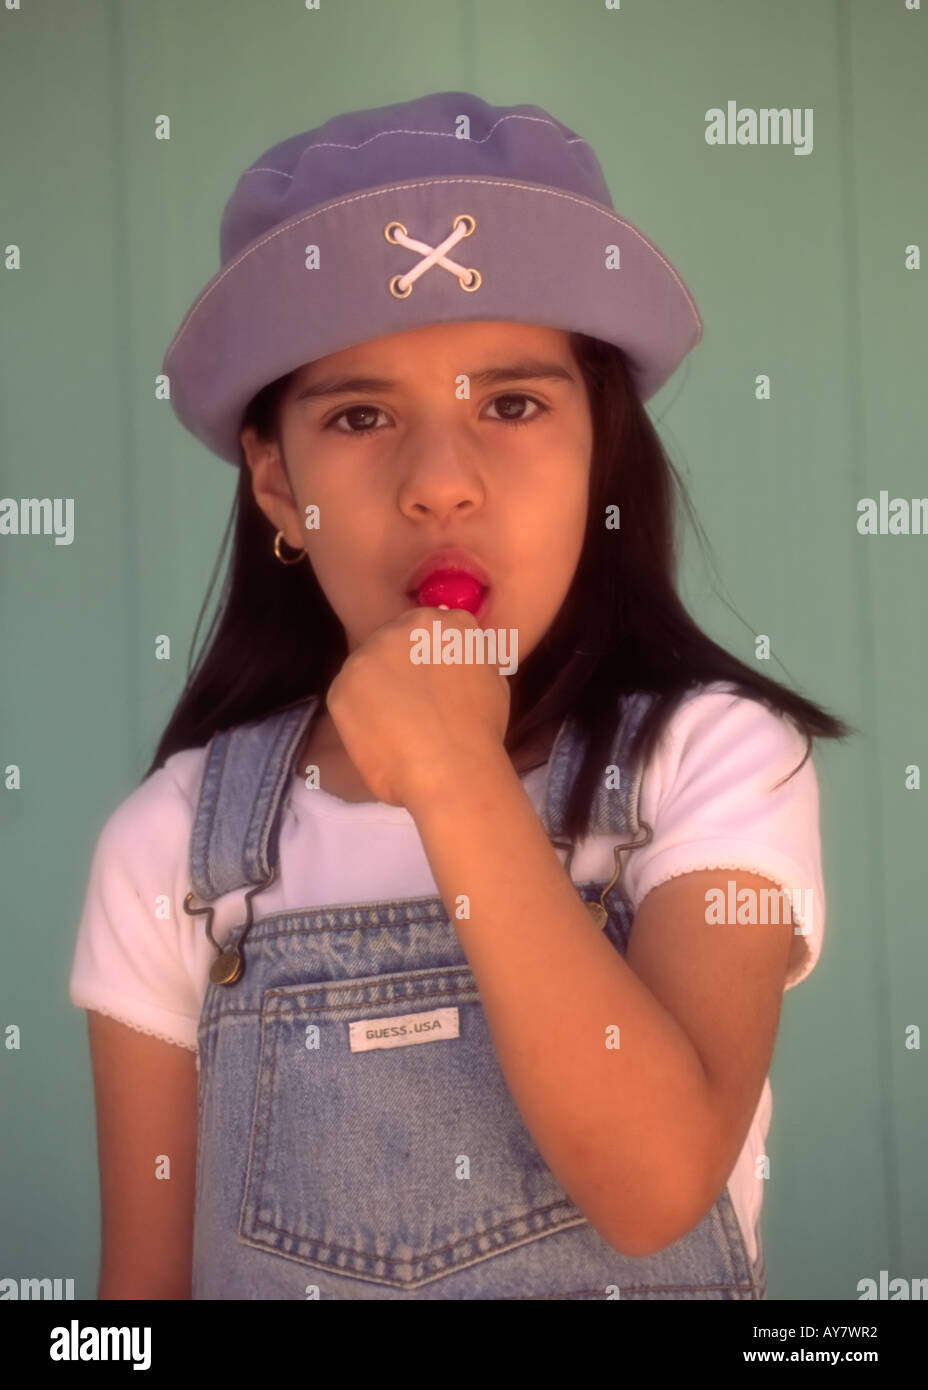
x: 716, y: 719
x: 136, y: 958
x: 158, y: 813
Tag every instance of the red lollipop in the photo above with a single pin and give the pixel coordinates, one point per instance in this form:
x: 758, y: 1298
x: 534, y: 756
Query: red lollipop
x: 452, y: 587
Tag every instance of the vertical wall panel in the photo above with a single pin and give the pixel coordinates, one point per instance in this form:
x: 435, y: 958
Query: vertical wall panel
x: 883, y: 50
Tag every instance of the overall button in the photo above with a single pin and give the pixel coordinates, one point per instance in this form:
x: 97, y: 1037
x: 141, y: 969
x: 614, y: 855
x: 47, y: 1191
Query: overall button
x: 227, y: 967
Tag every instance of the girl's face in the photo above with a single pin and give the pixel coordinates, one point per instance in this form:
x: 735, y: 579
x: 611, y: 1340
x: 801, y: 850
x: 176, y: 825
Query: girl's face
x: 474, y: 435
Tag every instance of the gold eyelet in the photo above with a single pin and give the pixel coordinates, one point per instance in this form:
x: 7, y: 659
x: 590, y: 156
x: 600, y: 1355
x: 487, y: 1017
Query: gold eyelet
x: 465, y: 217
x: 475, y: 276
x: 389, y: 227
x: 399, y: 294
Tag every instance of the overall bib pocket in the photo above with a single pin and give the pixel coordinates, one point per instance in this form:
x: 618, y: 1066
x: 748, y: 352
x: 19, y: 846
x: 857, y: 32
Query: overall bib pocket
x: 384, y: 1141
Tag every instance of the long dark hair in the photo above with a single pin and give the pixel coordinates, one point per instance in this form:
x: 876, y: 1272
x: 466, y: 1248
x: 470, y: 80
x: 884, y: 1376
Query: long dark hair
x: 275, y: 640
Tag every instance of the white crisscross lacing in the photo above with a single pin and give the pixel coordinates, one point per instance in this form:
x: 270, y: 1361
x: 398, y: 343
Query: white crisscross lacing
x: 433, y: 255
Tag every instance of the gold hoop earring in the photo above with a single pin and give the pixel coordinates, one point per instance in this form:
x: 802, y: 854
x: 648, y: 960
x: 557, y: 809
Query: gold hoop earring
x: 283, y: 560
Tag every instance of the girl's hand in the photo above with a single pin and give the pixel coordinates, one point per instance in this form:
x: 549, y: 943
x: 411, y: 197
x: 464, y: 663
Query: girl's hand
x: 401, y: 723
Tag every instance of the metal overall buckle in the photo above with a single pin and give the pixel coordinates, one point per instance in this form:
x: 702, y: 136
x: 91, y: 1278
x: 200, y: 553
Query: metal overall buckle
x: 229, y: 965
x: 598, y: 910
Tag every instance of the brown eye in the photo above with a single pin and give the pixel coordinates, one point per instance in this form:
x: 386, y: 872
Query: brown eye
x: 354, y: 411
x: 518, y: 397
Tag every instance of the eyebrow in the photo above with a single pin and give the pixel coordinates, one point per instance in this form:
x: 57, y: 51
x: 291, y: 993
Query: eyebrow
x: 528, y: 370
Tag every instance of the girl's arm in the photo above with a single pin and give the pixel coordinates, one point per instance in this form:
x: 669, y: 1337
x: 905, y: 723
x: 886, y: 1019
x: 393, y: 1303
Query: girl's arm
x: 146, y: 1105
x: 644, y: 1137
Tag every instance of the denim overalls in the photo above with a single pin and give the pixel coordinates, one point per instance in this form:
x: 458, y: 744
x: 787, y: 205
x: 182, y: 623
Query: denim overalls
x: 329, y: 1166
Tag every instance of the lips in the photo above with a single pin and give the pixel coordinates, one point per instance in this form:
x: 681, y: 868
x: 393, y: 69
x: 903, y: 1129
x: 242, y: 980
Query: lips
x: 451, y: 579
x: 447, y: 561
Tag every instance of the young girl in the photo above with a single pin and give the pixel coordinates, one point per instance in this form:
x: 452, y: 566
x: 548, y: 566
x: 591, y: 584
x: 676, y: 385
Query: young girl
x: 417, y: 979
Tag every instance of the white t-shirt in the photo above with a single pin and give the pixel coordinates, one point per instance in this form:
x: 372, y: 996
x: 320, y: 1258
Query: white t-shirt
x: 705, y: 793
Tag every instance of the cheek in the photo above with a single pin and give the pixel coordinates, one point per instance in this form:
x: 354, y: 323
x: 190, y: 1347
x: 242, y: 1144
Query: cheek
x: 344, y: 544
x: 563, y: 522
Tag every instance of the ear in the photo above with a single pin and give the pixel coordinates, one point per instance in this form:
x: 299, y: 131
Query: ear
x: 271, y: 486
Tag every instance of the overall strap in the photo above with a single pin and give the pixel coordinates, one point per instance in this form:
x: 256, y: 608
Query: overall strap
x: 615, y: 808
x: 235, y: 829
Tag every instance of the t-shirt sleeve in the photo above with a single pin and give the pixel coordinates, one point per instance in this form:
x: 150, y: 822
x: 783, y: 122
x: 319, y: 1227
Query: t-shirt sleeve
x: 131, y: 957
x: 710, y: 795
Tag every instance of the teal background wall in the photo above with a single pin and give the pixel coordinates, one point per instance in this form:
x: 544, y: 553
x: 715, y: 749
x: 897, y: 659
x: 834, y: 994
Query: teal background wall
x: 797, y: 264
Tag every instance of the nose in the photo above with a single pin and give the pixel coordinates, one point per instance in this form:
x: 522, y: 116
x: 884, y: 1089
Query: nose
x: 440, y: 474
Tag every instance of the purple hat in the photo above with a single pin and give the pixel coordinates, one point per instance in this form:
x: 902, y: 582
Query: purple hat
x: 431, y: 211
